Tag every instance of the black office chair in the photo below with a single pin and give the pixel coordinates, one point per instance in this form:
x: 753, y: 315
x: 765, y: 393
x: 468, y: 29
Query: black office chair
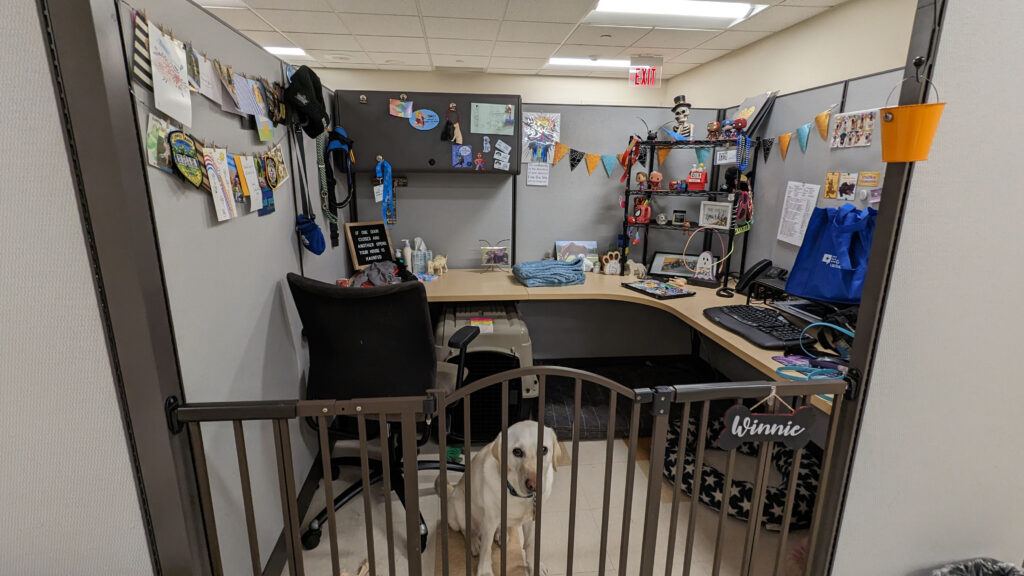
x: 371, y: 343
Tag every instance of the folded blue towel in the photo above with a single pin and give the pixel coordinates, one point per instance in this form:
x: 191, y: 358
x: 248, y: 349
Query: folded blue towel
x: 550, y: 273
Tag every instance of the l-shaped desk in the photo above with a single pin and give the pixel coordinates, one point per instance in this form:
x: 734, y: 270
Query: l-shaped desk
x: 485, y: 285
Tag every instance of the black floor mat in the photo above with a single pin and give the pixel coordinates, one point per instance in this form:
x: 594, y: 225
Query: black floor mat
x: 630, y: 372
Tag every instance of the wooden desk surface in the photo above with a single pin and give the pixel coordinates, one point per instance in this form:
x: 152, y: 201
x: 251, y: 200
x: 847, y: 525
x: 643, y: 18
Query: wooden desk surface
x: 477, y: 285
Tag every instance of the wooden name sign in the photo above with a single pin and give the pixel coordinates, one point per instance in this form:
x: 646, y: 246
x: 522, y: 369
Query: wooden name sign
x: 793, y: 429
x: 368, y: 242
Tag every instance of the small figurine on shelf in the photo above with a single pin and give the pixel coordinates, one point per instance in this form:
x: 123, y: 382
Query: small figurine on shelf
x: 673, y: 184
x: 697, y: 181
x: 478, y: 163
x: 641, y: 211
x: 612, y: 263
x: 739, y: 125
x: 655, y: 180
x: 641, y: 180
x: 681, y: 110
x: 636, y: 269
x: 728, y: 132
x: 440, y: 265
x: 714, y: 128
x: 661, y: 219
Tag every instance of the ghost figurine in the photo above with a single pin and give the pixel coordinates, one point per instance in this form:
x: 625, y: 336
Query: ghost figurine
x: 705, y: 269
x: 681, y: 109
x: 487, y: 144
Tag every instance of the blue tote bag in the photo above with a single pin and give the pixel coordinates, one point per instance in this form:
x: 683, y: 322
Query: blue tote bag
x: 833, y: 258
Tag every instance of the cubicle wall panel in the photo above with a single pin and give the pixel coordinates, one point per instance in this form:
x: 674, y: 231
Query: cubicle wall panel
x: 576, y: 205
x: 236, y: 333
x: 376, y: 132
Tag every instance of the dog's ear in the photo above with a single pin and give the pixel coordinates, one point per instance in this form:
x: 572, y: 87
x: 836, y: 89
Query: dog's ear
x: 495, y: 448
x: 561, y: 457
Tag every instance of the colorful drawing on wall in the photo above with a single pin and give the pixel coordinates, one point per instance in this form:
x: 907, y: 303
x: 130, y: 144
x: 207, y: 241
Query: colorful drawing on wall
x: 847, y: 186
x: 462, y: 156
x: 853, y: 129
x: 400, y: 108
x: 424, y: 119
x: 186, y: 159
x: 193, y: 67
x: 216, y: 162
x: 492, y: 119
x: 158, y: 154
x: 831, y: 185
x: 541, y: 130
x: 170, y: 76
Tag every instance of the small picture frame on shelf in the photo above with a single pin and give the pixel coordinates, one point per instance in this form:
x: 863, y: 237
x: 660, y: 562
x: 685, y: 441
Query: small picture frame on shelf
x: 679, y: 217
x: 716, y: 215
x: 667, y: 264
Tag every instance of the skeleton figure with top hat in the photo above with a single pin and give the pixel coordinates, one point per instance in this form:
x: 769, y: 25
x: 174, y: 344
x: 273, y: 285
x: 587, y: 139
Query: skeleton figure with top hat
x: 681, y: 109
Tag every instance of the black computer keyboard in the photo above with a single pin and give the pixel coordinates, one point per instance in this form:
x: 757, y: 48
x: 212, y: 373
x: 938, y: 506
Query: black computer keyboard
x: 763, y: 327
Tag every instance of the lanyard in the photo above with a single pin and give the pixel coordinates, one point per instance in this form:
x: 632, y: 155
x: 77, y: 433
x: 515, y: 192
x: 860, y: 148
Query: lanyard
x: 387, y: 207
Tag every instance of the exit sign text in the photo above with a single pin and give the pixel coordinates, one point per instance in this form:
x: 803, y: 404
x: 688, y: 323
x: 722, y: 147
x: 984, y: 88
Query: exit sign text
x: 649, y: 76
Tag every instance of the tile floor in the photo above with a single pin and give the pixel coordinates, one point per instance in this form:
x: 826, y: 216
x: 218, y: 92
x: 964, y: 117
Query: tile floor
x: 352, y: 531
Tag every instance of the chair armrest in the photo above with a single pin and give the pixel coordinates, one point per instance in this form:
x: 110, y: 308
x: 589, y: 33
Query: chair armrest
x: 463, y: 337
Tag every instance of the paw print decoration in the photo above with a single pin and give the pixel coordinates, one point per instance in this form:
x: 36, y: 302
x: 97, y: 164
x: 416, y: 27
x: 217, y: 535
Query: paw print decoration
x: 612, y: 263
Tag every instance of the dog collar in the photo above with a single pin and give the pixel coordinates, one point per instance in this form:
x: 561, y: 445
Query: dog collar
x: 513, y: 492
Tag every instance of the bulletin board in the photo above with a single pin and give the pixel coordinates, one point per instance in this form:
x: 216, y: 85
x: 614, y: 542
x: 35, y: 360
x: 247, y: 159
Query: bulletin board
x: 408, y: 149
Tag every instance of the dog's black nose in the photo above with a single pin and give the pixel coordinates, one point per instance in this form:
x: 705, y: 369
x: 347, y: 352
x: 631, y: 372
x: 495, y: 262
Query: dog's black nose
x: 531, y: 484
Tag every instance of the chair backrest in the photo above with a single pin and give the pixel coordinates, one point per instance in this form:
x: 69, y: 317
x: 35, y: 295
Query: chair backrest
x: 365, y: 342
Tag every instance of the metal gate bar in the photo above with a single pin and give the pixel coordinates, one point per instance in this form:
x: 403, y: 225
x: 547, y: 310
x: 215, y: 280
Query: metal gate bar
x: 677, y: 490
x: 576, y: 409
x: 250, y: 515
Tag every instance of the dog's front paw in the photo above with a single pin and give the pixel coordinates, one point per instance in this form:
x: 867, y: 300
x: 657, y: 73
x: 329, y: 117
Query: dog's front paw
x: 484, y: 568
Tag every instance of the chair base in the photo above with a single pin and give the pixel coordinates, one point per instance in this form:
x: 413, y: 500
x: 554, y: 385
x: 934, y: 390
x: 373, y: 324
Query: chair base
x: 311, y: 537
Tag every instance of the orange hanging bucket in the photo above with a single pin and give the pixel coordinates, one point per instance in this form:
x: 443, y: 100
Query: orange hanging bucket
x: 907, y: 131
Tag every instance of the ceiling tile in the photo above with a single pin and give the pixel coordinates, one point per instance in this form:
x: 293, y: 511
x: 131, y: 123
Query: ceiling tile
x: 524, y: 49
x: 813, y: 2
x: 324, y: 41
x: 733, y: 39
x: 313, y: 5
x: 340, y: 56
x: 241, y: 18
x: 399, y: 59
x: 775, y: 18
x: 673, y: 38
x: 382, y: 25
x: 607, y: 35
x: 581, y: 51
x: 564, y: 72
x: 698, y: 56
x: 673, y: 68
x: 297, y: 21
x: 571, y: 11
x: 486, y: 9
x: 269, y: 38
x: 666, y: 53
x: 520, y: 63
x: 514, y: 31
x: 404, y: 67
x: 511, y: 71
x: 459, y: 61
x: 391, y: 44
x: 399, y: 7
x: 298, y: 60
x: 461, y: 29
x: 449, y: 46
x: 337, y: 65
x: 621, y: 74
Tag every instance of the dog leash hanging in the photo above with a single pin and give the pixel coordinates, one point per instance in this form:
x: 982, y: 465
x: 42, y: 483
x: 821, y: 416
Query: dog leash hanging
x: 387, y: 207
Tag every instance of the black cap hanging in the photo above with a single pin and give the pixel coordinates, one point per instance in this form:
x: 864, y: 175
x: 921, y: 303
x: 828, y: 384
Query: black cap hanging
x: 305, y: 100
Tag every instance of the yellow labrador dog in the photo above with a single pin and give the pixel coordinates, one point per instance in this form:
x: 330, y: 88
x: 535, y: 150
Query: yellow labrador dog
x: 485, y: 471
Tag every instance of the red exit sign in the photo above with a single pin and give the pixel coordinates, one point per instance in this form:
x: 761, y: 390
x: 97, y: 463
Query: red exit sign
x: 644, y: 76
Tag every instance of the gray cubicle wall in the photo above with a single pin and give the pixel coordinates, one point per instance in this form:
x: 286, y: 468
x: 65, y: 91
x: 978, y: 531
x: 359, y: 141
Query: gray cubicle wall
x: 580, y: 206
x: 791, y: 111
x: 236, y: 332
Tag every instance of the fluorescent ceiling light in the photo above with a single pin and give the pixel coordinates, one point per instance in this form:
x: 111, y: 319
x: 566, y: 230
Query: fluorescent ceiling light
x: 597, y: 62
x: 285, y: 50
x: 698, y: 8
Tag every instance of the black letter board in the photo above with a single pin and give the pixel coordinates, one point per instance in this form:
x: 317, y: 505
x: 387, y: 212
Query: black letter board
x: 368, y: 242
x: 376, y: 132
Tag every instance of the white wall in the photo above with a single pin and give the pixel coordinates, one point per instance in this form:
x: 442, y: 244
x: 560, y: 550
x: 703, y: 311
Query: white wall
x: 939, y: 468
x: 853, y: 39
x: 68, y: 502
x: 534, y: 89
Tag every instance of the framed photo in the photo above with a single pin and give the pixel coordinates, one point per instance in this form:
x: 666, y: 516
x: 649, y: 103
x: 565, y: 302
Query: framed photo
x: 679, y: 217
x: 716, y: 215
x: 672, y: 265
x: 570, y: 249
x: 494, y: 255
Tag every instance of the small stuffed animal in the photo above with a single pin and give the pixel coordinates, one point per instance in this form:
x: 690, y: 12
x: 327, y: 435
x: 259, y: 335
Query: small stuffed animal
x: 635, y: 269
x: 612, y: 263
x: 656, y: 179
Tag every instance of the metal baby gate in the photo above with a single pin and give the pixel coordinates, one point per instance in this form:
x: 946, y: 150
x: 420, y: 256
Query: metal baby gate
x: 662, y: 403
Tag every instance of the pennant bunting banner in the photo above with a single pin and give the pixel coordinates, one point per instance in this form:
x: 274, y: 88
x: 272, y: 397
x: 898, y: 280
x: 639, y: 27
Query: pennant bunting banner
x: 702, y: 155
x: 641, y: 158
x: 575, y: 157
x: 662, y: 154
x: 766, y: 147
x: 784, y: 143
x: 560, y: 151
x: 822, y: 121
x: 609, y: 161
x: 802, y: 133
x: 592, y: 161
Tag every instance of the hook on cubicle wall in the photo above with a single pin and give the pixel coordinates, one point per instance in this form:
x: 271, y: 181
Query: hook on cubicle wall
x: 362, y: 98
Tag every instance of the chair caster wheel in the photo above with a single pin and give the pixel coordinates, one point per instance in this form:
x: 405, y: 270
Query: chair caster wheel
x: 311, y: 539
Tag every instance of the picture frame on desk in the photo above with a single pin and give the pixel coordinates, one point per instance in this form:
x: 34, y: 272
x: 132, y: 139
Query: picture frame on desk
x: 671, y: 265
x: 716, y: 215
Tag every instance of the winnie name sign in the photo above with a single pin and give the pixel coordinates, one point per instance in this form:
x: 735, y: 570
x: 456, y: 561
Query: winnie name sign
x: 793, y: 429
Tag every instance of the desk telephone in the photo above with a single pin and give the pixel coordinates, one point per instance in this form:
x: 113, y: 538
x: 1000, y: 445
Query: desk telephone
x: 761, y: 268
